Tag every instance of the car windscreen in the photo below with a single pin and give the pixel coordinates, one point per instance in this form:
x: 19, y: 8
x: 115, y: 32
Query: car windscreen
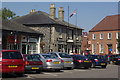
x: 78, y: 57
x: 32, y: 58
x: 49, y: 56
x: 97, y: 57
x: 11, y: 55
x: 64, y: 55
x: 28, y: 58
x: 35, y: 58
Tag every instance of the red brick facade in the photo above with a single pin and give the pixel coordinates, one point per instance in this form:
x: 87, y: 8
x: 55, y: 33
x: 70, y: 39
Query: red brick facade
x: 105, y: 46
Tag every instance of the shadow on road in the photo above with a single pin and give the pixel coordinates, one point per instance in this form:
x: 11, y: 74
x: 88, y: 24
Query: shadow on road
x: 12, y: 76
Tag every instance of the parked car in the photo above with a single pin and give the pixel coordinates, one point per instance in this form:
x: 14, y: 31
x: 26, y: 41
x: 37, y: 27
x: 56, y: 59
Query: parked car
x: 32, y: 63
x: 65, y: 58
x: 110, y: 58
x: 98, y: 60
x: 81, y: 61
x: 12, y: 62
x: 50, y: 62
x: 116, y: 60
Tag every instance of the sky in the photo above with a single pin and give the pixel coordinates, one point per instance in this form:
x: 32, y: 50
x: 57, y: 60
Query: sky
x: 88, y: 13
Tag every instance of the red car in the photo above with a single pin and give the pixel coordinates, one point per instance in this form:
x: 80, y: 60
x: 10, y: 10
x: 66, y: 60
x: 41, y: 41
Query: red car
x: 33, y: 63
x: 11, y: 61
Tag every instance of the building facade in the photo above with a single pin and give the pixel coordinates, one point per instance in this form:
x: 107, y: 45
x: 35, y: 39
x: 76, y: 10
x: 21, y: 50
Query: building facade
x: 15, y: 37
x: 104, y: 35
x: 59, y: 35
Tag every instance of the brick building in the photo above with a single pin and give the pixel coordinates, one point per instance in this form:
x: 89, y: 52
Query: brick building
x: 59, y: 35
x: 103, y: 36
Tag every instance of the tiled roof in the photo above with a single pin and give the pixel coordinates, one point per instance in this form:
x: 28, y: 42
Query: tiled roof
x: 40, y: 17
x: 13, y: 26
x: 108, y: 23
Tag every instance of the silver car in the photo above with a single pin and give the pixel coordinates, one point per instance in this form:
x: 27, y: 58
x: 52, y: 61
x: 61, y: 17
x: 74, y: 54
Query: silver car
x: 66, y: 58
x: 50, y: 62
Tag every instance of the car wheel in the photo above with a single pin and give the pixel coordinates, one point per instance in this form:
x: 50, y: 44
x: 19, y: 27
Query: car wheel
x: 38, y: 71
x: 93, y: 65
x: 86, y: 67
x: 103, y: 66
x: 69, y: 68
x: 57, y: 70
x: 19, y: 74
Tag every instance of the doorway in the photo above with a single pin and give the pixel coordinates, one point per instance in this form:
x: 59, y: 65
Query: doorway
x: 24, y: 49
x: 110, y: 49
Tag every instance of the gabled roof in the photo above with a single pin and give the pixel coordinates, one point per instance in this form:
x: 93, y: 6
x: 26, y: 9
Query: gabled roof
x: 13, y: 26
x: 39, y: 18
x: 34, y: 18
x: 109, y: 23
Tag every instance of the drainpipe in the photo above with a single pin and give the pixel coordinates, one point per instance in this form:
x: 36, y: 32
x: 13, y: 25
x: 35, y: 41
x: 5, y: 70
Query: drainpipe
x: 39, y: 40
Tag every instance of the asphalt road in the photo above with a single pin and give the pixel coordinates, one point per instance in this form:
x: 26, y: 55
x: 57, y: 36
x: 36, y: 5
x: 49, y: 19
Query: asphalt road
x: 110, y: 72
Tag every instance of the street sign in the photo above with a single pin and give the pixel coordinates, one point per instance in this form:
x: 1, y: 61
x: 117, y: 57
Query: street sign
x: 89, y: 42
x: 111, y: 50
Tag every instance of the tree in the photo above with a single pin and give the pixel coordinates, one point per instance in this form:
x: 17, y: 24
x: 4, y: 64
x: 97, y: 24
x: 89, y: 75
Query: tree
x: 7, y: 14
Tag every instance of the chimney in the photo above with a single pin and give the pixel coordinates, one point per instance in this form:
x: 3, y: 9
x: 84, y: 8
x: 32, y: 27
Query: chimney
x: 52, y: 11
x: 61, y: 14
x: 33, y: 10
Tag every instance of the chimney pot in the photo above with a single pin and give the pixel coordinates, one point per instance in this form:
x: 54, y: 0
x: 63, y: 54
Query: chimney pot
x: 61, y: 14
x: 52, y: 11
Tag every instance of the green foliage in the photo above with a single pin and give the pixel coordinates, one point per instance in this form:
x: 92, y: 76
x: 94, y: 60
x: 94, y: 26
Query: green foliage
x: 7, y: 14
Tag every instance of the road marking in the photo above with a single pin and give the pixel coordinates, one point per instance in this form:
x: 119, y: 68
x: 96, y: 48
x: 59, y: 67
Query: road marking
x: 98, y: 69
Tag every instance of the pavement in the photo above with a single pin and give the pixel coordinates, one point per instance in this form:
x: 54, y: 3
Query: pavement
x: 93, y: 73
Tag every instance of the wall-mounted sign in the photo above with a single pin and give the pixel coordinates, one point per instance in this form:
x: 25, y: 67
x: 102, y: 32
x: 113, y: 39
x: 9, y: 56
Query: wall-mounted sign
x: 89, y: 42
x: 32, y: 39
x: 85, y: 34
x: 13, y: 39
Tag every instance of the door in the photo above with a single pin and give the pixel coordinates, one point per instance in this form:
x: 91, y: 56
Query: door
x: 24, y: 49
x: 110, y: 49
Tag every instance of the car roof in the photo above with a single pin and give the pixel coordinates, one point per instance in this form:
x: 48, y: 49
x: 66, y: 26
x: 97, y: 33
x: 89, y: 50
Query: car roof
x: 58, y: 52
x: 45, y: 54
x: 10, y: 50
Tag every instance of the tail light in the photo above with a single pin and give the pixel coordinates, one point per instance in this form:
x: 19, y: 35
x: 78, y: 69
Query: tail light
x: 72, y: 59
x: 80, y: 60
x: 41, y: 62
x: 118, y: 58
x: 49, y: 61
x: 61, y: 60
x: 96, y: 60
x: 27, y: 63
x: 90, y: 61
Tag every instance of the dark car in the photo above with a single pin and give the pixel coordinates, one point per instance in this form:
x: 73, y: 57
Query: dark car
x: 12, y: 62
x: 33, y: 63
x: 116, y: 60
x: 110, y: 58
x: 81, y: 61
x: 98, y: 60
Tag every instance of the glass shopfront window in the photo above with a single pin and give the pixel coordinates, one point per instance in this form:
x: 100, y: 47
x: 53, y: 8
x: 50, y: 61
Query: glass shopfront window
x: 32, y: 48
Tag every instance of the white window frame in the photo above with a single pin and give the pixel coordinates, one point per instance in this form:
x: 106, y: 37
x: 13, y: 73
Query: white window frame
x: 93, y: 48
x: 117, y: 52
x: 101, y: 35
x: 109, y: 36
x: 60, y: 32
x: 93, y: 36
x: 100, y: 48
x: 117, y: 35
